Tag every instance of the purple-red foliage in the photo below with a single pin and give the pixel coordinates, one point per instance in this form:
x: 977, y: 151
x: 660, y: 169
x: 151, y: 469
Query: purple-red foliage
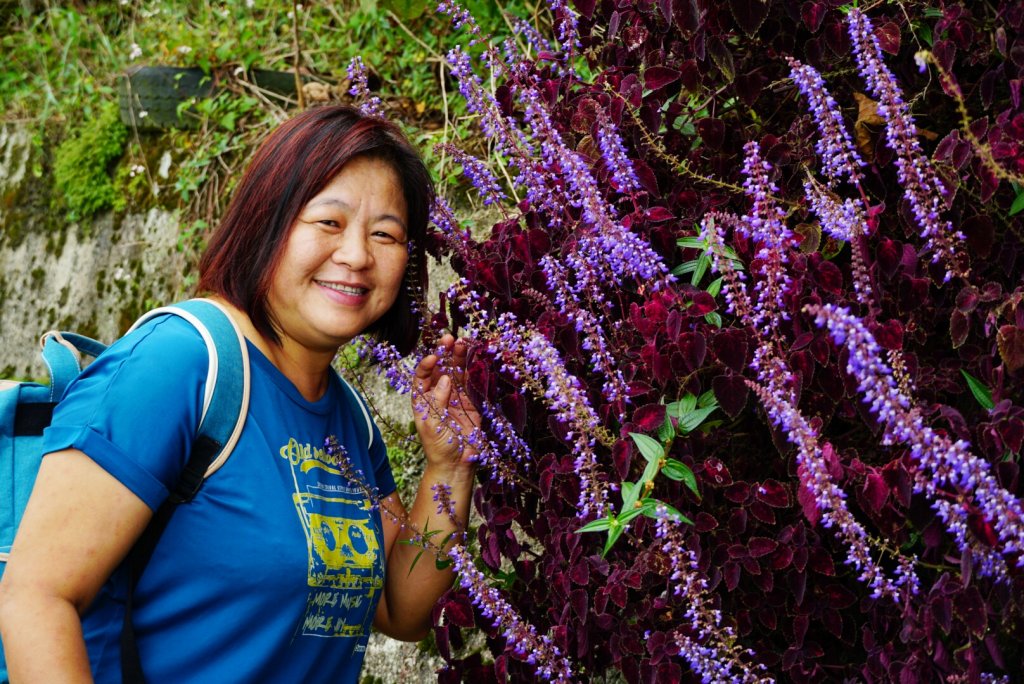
x: 704, y: 78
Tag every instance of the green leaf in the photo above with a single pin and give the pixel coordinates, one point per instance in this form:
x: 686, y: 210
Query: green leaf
x: 1018, y: 204
x: 406, y: 9
x: 666, y: 431
x: 702, y: 267
x: 633, y: 512
x: 707, y: 399
x: 415, y: 561
x: 685, y: 267
x: 613, y: 536
x: 598, y: 525
x: 649, y: 472
x: 690, y: 420
x: 978, y: 389
x: 649, y: 447
x: 680, y: 472
x: 649, y: 506
x: 630, y: 493
x: 714, y: 318
x: 692, y: 243
x: 442, y: 563
x: 715, y: 287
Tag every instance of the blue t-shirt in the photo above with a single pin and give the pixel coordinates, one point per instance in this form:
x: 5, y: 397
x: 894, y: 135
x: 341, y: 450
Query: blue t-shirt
x: 274, y: 571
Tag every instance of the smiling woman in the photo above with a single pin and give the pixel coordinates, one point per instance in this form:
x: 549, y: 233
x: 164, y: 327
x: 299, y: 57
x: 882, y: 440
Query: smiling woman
x: 276, y: 570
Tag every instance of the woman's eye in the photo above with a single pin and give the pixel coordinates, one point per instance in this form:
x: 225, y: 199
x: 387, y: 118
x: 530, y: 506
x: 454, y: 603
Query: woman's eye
x: 330, y: 223
x: 384, y: 236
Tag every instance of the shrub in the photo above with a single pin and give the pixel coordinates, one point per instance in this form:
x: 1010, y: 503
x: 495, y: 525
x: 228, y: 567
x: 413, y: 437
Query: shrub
x: 806, y: 467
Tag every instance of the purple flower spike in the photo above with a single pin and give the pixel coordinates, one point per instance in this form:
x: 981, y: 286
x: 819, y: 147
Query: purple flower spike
x: 834, y: 146
x: 520, y: 636
x: 920, y: 182
x: 712, y: 652
x: 615, y: 156
x: 360, y: 89
x: 940, y: 462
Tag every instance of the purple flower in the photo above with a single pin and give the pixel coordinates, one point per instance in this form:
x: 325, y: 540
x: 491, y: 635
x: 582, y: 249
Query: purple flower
x: 360, y: 89
x: 478, y: 174
x: 615, y: 156
x: 835, y: 148
x: 713, y: 653
x: 940, y: 462
x: 921, y: 185
x: 765, y: 225
x: 520, y: 636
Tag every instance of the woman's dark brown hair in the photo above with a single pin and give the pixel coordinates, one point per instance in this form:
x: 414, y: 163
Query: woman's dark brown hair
x: 293, y: 164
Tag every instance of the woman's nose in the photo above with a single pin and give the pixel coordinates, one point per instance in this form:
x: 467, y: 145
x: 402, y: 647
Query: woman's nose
x: 353, y: 249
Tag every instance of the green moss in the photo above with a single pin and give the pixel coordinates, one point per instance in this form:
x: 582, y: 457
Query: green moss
x: 81, y: 168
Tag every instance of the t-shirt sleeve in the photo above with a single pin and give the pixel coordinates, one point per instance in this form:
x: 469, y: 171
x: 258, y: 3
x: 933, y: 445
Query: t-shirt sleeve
x: 136, y: 409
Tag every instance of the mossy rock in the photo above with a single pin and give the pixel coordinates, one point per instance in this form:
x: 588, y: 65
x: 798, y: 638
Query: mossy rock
x: 82, y: 164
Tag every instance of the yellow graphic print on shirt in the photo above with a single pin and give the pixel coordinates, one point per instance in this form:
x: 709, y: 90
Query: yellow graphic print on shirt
x: 345, y: 559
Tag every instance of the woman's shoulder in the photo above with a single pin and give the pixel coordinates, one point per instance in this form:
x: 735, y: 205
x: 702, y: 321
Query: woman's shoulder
x: 169, y: 341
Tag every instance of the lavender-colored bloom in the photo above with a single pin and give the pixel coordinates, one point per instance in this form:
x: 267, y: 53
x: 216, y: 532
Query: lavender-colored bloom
x: 478, y: 174
x: 360, y: 89
x: 779, y: 400
x: 765, y: 225
x: 714, y: 653
x: 533, y: 38
x: 590, y: 326
x: 565, y: 24
x: 942, y: 462
x: 615, y: 156
x: 843, y: 221
x: 835, y: 148
x: 461, y: 18
x: 520, y: 636
x: 921, y: 185
x: 737, y: 301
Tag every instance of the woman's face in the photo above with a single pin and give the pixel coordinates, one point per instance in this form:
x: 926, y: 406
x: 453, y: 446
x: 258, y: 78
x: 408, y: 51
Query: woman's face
x: 344, y: 259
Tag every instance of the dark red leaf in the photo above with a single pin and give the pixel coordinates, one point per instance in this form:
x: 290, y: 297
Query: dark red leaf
x: 888, y: 254
x: 738, y: 492
x: 807, y: 503
x: 782, y: 558
x: 658, y: 214
x: 731, y: 392
x: 693, y: 347
x: 716, y: 473
x: 967, y: 299
x: 820, y: 562
x: 762, y: 512
x: 704, y: 522
x: 712, y: 132
x: 813, y: 13
x: 660, y: 76
x: 959, y: 327
x: 730, y: 347
x: 876, y: 492
x: 829, y: 277
x: 458, y: 610
x: 580, y: 600
x: 888, y: 35
x: 1012, y: 433
x: 761, y: 546
x: 701, y: 304
x: 618, y: 594
x: 1010, y: 341
x: 621, y: 457
x: 504, y: 515
x: 773, y: 493
x: 731, y: 573
x: 585, y: 7
x: 650, y: 417
x: 889, y: 335
x: 970, y: 609
x: 749, y: 86
x: 749, y: 14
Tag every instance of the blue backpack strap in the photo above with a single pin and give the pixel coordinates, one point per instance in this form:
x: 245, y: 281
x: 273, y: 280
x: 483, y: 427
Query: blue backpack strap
x: 225, y: 406
x: 226, y: 400
x: 62, y: 356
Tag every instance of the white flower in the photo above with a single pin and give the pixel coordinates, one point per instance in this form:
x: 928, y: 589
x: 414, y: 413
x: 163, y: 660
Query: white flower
x: 143, y: 114
x: 183, y: 49
x: 134, y: 51
x: 249, y: 4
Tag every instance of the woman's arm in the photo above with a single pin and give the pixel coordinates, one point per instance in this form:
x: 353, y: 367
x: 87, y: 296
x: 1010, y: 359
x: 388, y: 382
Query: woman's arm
x: 410, y: 595
x: 78, y: 525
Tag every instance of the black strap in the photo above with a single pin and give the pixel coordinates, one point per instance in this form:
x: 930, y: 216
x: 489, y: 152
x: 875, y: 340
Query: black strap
x: 30, y: 419
x: 204, y: 450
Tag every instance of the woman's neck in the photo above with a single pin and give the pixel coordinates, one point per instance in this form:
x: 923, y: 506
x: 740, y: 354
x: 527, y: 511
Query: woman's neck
x: 307, y: 369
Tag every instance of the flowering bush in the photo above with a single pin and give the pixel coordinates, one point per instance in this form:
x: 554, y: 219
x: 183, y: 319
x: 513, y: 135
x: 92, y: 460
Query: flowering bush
x: 749, y: 342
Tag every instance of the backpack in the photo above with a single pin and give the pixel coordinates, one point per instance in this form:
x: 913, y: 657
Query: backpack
x: 26, y: 408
